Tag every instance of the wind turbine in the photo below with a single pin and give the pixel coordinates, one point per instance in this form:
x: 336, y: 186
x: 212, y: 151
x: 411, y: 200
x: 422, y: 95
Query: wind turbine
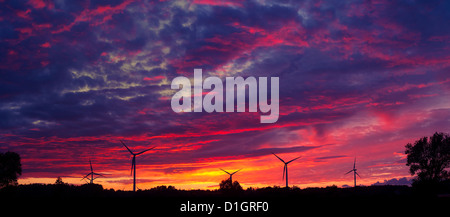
x: 133, y: 162
x: 91, y: 180
x: 231, y: 174
x: 354, y: 172
x: 285, y: 169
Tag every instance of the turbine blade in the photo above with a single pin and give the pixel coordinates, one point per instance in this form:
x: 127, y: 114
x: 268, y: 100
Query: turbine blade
x: 293, y: 160
x: 86, y: 176
x: 284, y: 169
x: 92, y: 170
x: 225, y: 171
x: 236, y: 171
x: 133, y: 162
x: 354, y: 163
x: 357, y: 174
x: 278, y: 157
x: 145, y: 151
x: 126, y: 147
x: 348, y: 172
x: 98, y: 174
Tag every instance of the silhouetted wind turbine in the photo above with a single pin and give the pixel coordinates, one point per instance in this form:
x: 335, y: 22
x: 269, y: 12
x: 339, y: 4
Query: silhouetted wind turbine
x: 133, y: 162
x: 231, y: 174
x: 285, y: 169
x: 354, y: 172
x: 91, y: 174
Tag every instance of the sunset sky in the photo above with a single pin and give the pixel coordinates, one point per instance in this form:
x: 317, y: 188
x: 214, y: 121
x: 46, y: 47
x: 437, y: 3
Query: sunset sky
x: 357, y: 79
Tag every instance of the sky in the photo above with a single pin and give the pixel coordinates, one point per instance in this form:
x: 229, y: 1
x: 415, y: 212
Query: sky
x: 358, y: 79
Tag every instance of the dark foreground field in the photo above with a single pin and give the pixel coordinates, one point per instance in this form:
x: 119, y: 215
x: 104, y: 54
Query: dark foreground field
x: 161, y: 201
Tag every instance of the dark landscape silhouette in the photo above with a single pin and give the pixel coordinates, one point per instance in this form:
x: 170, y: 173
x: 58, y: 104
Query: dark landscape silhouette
x: 281, y: 199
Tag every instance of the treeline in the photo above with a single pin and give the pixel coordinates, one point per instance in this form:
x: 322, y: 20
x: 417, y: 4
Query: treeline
x: 96, y: 190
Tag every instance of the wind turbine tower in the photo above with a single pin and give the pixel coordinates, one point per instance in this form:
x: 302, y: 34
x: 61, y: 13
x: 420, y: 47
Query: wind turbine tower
x: 354, y: 172
x: 285, y: 169
x: 133, y: 162
x: 91, y: 180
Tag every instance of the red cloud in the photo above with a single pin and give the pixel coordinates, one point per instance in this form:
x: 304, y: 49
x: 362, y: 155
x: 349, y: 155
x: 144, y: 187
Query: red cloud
x: 155, y: 78
x: 38, y: 4
x: 46, y: 45
x: 96, y: 17
x: 235, y: 3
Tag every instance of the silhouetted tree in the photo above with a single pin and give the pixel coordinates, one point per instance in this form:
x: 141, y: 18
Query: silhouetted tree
x: 164, y: 188
x: 59, y: 181
x: 10, y: 168
x: 91, y: 188
x: 226, y: 185
x: 429, y: 157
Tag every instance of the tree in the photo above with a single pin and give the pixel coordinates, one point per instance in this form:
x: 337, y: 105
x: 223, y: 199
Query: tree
x: 429, y: 158
x: 10, y: 168
x: 226, y: 185
x: 59, y: 181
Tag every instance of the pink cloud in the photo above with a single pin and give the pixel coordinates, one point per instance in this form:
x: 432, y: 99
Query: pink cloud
x: 155, y: 78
